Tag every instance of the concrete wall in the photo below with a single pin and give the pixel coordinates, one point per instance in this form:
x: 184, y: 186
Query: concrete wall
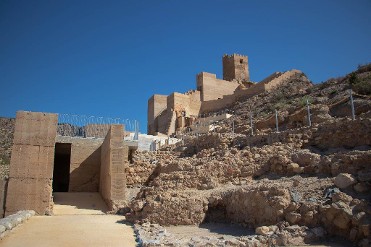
x: 213, y: 88
x: 31, y: 165
x: 114, y: 158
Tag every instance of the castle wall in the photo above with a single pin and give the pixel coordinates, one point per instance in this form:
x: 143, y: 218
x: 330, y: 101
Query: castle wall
x: 114, y: 158
x: 189, y: 103
x: 212, y: 94
x: 156, y: 104
x: 253, y: 90
x: 216, y: 105
x: 212, y: 88
x: 31, y: 165
x: 162, y: 122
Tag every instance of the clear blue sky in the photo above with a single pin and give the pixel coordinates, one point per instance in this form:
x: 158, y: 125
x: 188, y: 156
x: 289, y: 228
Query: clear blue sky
x: 106, y: 58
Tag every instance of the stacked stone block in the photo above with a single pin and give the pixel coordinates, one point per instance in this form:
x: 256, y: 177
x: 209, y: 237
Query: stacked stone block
x: 114, y: 156
x: 31, y: 165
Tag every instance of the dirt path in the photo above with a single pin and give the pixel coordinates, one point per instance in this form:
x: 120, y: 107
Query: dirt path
x: 80, y: 222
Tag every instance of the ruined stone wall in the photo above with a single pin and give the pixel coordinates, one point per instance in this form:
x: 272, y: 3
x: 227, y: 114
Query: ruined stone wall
x: 31, y: 169
x: 212, y: 88
x: 114, y: 158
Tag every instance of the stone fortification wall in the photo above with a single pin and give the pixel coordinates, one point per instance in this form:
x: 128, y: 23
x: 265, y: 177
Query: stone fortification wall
x: 182, y: 102
x: 31, y: 169
x: 156, y: 104
x: 162, y: 122
x: 212, y: 88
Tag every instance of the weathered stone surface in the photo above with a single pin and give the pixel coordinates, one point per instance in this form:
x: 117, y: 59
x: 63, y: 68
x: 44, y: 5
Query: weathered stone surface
x: 344, y: 180
x: 262, y: 230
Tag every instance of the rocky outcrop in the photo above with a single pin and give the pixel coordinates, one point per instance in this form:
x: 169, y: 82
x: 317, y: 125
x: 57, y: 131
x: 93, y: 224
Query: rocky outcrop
x: 6, y: 142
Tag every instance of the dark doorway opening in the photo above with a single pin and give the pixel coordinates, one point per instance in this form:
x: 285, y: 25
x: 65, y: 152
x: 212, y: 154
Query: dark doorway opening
x: 216, y: 214
x: 61, y: 173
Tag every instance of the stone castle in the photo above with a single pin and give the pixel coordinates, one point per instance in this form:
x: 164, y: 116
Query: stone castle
x: 168, y: 114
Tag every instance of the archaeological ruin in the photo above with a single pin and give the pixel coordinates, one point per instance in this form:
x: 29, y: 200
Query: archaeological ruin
x: 43, y: 162
x: 283, y: 161
x: 176, y: 112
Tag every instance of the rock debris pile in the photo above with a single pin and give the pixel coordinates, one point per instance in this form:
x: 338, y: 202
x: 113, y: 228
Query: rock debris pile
x: 294, y: 187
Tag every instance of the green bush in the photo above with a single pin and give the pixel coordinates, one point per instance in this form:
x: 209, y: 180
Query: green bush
x: 363, y: 86
x: 353, y: 78
x: 303, y: 100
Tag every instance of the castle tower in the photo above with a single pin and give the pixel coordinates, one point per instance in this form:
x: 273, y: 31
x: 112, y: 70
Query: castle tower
x: 235, y: 67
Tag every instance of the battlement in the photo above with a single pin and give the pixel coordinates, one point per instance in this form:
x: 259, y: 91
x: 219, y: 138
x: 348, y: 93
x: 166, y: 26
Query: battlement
x: 235, y: 68
x: 167, y: 114
x: 233, y: 55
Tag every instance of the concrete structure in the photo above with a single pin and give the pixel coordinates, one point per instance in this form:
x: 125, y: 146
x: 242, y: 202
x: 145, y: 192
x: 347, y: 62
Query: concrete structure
x: 177, y: 111
x: 43, y: 163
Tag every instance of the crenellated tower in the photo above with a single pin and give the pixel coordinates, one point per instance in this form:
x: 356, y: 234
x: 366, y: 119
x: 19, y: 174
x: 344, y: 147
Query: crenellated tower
x: 236, y: 67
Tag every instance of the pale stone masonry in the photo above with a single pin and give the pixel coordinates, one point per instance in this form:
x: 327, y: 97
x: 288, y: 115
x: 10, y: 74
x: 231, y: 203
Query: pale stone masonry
x: 176, y: 112
x: 31, y: 170
x: 113, y: 158
x: 43, y: 163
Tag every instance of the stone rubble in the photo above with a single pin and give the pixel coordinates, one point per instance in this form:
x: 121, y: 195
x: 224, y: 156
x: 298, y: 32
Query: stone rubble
x: 10, y: 222
x: 221, y: 178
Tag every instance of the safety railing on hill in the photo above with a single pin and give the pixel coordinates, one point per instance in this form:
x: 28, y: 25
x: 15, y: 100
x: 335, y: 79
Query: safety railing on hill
x: 276, y: 121
x: 84, y: 126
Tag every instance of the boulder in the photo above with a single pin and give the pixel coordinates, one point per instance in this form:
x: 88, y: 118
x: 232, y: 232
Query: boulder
x: 262, y: 230
x: 344, y: 180
x: 360, y: 187
x: 293, y: 218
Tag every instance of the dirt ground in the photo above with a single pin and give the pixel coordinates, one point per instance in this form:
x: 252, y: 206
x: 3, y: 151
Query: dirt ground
x: 228, y: 231
x: 79, y: 220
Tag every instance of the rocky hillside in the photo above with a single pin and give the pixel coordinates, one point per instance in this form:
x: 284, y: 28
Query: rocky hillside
x: 327, y: 100
x: 6, y: 142
x: 293, y: 187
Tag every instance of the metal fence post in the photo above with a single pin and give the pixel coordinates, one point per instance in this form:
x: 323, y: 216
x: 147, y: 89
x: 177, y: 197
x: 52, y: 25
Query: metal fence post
x: 252, y: 127
x: 276, y: 121
x: 352, y: 104
x: 308, y: 109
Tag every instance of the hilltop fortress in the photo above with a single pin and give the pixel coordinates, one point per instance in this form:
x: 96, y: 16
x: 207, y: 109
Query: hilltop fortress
x: 177, y: 111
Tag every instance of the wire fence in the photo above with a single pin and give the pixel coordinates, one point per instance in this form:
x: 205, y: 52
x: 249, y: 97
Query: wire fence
x: 91, y: 126
x: 278, y: 120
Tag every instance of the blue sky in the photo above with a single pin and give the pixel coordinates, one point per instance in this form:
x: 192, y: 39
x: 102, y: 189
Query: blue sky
x: 106, y: 58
